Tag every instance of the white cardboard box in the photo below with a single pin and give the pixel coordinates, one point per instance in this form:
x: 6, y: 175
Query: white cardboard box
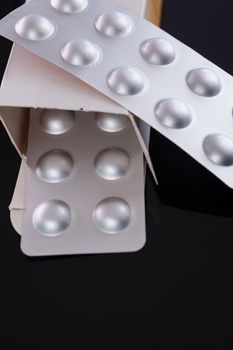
x: 30, y: 82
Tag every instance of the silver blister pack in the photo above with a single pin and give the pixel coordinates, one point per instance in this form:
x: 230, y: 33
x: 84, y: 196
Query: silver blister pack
x: 184, y: 96
x: 84, y: 185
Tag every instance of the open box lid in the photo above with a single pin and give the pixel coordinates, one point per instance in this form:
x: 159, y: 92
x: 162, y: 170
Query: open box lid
x: 47, y: 86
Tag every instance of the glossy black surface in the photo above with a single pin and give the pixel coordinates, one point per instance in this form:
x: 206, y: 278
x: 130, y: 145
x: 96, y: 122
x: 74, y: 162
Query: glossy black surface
x: 177, y: 292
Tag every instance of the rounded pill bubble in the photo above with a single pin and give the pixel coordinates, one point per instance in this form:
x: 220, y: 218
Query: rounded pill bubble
x: 112, y: 215
x: 112, y: 164
x: 158, y: 51
x: 34, y: 28
x: 69, y: 6
x: 219, y: 149
x: 126, y: 81
x: 81, y: 53
x: 56, y: 122
x: 52, y: 218
x: 204, y: 82
x: 111, y: 122
x: 54, y: 166
x: 114, y: 24
x: 173, y: 113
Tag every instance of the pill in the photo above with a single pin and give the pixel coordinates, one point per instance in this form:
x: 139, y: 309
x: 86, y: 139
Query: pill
x: 111, y: 122
x: 127, y: 81
x: 34, y: 28
x: 52, y: 218
x: 56, y: 122
x: 112, y: 215
x: 204, y: 82
x: 81, y: 53
x: 158, y: 51
x: 69, y: 6
x: 112, y: 164
x: 114, y: 24
x: 54, y: 166
x: 173, y: 113
x: 219, y: 149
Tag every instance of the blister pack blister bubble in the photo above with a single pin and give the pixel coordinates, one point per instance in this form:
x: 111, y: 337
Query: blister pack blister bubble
x: 178, y: 92
x: 84, y: 184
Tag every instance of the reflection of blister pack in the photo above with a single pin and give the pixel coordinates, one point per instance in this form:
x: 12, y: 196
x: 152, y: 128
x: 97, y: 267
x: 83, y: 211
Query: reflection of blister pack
x: 175, y: 90
x: 84, y: 184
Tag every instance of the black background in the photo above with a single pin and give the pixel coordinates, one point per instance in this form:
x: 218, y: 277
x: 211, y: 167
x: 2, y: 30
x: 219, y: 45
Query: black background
x: 178, y: 290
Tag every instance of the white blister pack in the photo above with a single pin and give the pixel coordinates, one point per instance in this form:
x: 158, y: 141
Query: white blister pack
x: 184, y: 96
x: 84, y: 185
